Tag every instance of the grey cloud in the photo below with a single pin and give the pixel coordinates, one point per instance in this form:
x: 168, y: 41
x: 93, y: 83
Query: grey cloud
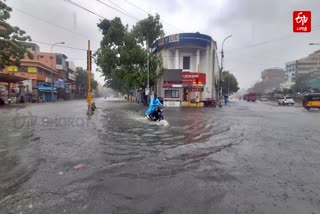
x: 249, y: 21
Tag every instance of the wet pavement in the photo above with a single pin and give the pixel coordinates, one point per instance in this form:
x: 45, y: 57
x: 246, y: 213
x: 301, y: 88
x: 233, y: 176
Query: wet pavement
x: 243, y: 158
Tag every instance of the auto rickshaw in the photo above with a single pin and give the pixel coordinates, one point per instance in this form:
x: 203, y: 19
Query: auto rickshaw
x: 311, y: 101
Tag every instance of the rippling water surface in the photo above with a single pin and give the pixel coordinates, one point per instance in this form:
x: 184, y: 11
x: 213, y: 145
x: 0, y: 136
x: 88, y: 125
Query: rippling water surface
x: 127, y: 157
x: 130, y: 165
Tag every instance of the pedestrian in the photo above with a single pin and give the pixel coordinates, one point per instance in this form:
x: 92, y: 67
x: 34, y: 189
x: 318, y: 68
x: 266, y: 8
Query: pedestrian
x: 197, y: 99
x: 226, y: 100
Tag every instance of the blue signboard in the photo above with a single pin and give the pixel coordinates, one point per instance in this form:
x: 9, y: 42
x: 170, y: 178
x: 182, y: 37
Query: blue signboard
x: 59, y: 84
x: 182, y: 38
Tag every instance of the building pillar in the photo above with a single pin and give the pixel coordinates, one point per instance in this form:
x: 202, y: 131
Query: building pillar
x: 9, y: 84
x: 197, y: 59
x: 207, y: 86
x: 214, y: 66
x: 177, y: 58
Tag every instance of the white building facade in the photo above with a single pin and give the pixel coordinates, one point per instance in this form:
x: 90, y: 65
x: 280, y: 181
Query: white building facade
x: 290, y: 75
x: 190, y: 64
x: 307, y: 65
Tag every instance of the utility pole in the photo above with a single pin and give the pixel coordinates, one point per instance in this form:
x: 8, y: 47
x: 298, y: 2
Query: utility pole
x: 229, y: 84
x: 221, y: 69
x: 197, y: 93
x: 220, y: 80
x: 89, y: 98
x: 148, y: 85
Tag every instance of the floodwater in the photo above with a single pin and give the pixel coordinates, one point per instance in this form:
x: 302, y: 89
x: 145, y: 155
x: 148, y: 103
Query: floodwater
x: 242, y: 158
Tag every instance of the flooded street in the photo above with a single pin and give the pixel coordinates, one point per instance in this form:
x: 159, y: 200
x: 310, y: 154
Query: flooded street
x: 243, y: 158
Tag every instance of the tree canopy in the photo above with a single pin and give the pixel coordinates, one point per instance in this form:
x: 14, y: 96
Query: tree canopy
x: 12, y: 46
x: 82, y: 79
x: 230, y: 83
x: 301, y: 83
x: 148, y: 30
x: 122, y: 55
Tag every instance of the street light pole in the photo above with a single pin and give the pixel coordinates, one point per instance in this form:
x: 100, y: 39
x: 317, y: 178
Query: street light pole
x: 57, y: 43
x: 221, y: 69
x: 148, y: 84
x: 148, y: 79
x: 229, y: 85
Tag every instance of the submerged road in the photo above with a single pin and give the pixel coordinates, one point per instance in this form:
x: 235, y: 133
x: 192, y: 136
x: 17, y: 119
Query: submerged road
x: 243, y: 158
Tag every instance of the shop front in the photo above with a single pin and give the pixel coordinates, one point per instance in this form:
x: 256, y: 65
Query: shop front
x: 172, y: 94
x: 193, y: 87
x: 172, y: 87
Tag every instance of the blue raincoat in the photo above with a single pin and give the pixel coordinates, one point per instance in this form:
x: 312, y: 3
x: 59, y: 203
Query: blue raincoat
x: 152, y: 106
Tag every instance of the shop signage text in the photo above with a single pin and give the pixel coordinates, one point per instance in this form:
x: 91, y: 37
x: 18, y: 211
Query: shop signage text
x: 12, y: 68
x: 191, y: 77
x: 32, y: 70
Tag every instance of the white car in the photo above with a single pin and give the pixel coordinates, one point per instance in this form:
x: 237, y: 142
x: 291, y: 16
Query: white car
x: 286, y: 101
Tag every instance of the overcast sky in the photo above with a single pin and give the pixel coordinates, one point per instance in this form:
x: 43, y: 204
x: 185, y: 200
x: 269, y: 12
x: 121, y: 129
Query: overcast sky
x: 261, y: 30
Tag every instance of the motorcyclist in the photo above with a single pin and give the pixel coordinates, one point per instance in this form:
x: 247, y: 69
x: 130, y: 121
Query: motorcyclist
x: 152, y: 106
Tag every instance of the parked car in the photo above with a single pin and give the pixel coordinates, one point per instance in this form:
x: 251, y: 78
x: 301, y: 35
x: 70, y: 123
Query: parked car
x: 263, y: 99
x: 286, y: 101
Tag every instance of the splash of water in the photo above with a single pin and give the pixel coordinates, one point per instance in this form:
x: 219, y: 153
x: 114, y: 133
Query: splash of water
x: 163, y: 123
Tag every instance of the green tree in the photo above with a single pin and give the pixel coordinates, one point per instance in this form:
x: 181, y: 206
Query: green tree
x: 229, y: 84
x: 123, y: 60
x: 301, y: 83
x: 12, y: 40
x: 148, y: 30
x: 82, y: 79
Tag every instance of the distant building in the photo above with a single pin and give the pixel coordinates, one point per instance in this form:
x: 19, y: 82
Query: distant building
x: 273, y: 74
x: 62, y: 67
x: 36, y: 70
x: 71, y: 79
x: 306, y: 65
x: 190, y: 63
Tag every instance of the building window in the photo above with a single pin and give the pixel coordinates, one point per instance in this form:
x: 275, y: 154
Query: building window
x: 186, y: 62
x: 171, y: 94
x: 59, y: 60
x: 23, y: 69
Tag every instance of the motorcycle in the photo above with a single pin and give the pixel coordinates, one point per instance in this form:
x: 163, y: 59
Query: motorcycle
x: 157, y: 115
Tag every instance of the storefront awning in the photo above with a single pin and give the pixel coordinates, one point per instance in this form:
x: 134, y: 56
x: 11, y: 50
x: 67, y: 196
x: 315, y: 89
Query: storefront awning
x: 9, y: 78
x: 172, y: 85
x: 45, y: 88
